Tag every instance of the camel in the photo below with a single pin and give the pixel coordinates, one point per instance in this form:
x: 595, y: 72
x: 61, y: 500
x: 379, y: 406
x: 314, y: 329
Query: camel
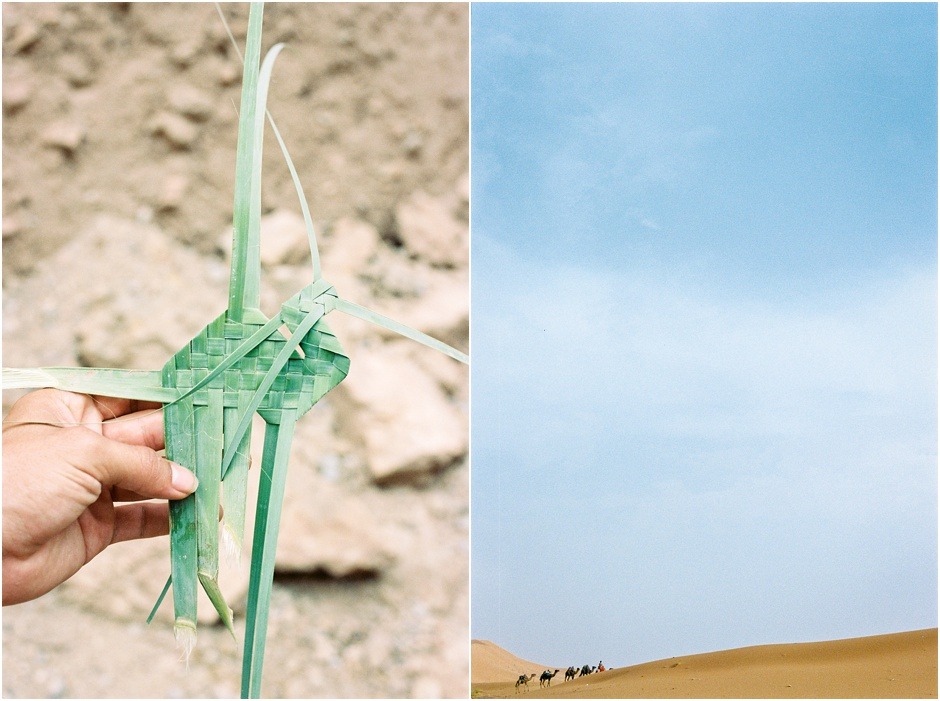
x: 524, y: 680
x: 585, y: 670
x: 546, y: 677
x: 571, y: 673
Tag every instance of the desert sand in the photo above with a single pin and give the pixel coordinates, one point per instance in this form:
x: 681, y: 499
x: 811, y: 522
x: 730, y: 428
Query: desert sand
x: 900, y: 665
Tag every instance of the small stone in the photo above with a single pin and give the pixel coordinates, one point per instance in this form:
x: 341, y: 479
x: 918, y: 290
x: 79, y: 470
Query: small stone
x: 184, y: 53
x: 173, y: 192
x: 463, y: 190
x: 429, y: 230
x: 16, y: 94
x: 178, y: 131
x: 11, y: 226
x: 96, y: 343
x: 330, y: 467
x: 352, y: 243
x: 427, y: 688
x: 392, y: 171
x: 48, y: 16
x: 64, y: 135
x: 399, y: 277
x: 57, y: 688
x: 227, y: 74
x: 462, y: 194
x: 283, y: 238
x: 24, y: 37
x: 144, y: 214
x: 190, y: 102
x: 412, y: 144
x: 77, y: 70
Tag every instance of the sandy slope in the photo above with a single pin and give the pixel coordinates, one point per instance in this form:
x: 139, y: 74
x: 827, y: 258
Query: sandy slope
x: 491, y: 663
x: 902, y: 665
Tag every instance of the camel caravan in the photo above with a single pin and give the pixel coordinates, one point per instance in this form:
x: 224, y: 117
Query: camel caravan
x: 571, y: 673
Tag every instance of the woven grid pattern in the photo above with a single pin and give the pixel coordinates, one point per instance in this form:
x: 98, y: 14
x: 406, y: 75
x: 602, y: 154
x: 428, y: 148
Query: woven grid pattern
x: 309, y: 374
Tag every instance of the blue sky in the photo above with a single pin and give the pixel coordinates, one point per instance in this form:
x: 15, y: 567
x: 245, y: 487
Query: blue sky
x: 704, y: 326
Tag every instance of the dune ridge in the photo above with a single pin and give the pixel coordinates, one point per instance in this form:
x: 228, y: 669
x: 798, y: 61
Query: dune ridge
x: 898, y: 665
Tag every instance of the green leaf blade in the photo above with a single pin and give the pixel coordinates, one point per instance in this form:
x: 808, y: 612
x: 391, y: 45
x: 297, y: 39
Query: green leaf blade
x: 277, y: 442
x: 178, y: 427
x: 245, y: 284
x: 144, y: 385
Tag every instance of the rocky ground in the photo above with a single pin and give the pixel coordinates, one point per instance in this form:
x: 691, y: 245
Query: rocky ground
x: 119, y: 131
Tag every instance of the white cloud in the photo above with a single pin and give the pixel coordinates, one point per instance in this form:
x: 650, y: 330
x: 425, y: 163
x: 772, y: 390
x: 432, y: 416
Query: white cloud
x: 597, y: 356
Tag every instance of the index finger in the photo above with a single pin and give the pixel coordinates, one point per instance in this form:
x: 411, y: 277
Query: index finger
x: 137, y: 428
x: 112, y: 407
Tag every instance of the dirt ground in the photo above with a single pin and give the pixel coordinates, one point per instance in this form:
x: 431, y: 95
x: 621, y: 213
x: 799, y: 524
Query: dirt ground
x: 119, y: 134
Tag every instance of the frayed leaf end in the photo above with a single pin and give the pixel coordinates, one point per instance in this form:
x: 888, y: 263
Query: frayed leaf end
x: 231, y: 545
x: 16, y: 378
x: 185, y: 632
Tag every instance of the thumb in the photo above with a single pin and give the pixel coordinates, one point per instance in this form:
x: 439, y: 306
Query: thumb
x: 139, y: 469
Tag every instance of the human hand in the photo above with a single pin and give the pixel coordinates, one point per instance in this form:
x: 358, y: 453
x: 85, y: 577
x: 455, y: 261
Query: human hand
x: 66, y: 462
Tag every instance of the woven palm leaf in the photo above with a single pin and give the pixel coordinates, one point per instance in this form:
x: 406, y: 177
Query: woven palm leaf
x: 240, y: 364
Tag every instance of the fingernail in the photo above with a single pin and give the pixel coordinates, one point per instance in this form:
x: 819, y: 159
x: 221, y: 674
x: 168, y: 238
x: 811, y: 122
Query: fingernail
x: 183, y: 480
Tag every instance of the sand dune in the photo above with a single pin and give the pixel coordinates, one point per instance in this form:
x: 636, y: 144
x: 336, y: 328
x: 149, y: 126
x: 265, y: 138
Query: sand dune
x: 491, y: 663
x: 901, y: 665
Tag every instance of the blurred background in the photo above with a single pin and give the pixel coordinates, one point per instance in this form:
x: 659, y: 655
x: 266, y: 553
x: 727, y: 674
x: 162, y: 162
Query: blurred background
x: 119, y: 136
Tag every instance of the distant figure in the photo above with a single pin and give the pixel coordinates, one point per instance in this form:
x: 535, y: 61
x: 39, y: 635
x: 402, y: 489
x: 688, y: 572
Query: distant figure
x: 600, y: 666
x: 524, y: 680
x: 546, y: 677
x: 571, y: 673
